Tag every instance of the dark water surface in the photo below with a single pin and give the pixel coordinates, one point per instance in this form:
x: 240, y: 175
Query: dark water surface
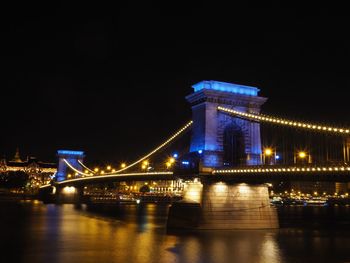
x: 33, y: 232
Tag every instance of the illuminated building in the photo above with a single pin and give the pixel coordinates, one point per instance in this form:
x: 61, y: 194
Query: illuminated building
x: 39, y: 172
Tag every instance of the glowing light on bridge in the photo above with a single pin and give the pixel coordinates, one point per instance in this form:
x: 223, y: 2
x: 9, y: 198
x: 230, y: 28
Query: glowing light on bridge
x: 82, y: 179
x: 285, y: 122
x: 69, y: 190
x: 291, y: 169
x: 85, y: 167
x: 302, y: 155
x: 226, y: 87
x: 168, y: 141
x: 67, y: 152
x: 220, y: 187
x: 268, y: 151
x: 144, y: 166
x: 75, y: 170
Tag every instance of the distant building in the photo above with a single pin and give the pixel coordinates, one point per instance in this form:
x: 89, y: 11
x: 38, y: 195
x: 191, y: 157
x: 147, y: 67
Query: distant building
x: 39, y: 172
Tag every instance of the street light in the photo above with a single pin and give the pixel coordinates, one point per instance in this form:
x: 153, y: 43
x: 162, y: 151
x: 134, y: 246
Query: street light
x: 268, y: 152
x: 123, y: 165
x: 302, y: 155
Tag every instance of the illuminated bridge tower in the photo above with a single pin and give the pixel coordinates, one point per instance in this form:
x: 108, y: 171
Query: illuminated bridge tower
x: 222, y: 139
x: 72, y: 157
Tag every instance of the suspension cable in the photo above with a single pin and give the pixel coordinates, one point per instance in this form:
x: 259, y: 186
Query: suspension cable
x: 84, y: 166
x: 156, y: 149
x: 74, y: 169
x: 284, y: 122
x: 172, y: 138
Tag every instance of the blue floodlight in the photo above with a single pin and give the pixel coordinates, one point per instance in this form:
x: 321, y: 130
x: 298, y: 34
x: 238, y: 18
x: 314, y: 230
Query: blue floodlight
x: 69, y: 152
x: 200, y: 151
x: 277, y: 157
x: 227, y: 87
x: 175, y: 155
x: 185, y: 162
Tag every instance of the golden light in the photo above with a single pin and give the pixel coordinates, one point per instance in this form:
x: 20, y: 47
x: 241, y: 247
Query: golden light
x: 69, y: 175
x: 268, y: 151
x: 123, y: 165
x: 168, y: 164
x: 145, y: 163
x: 172, y: 160
x: 96, y: 169
x: 113, y: 170
x: 143, y: 166
x: 302, y: 154
x: 109, y: 167
x: 102, y: 172
x: 86, y: 171
x: 69, y: 190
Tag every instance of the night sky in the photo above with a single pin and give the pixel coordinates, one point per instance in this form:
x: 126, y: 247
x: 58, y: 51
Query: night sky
x: 111, y: 80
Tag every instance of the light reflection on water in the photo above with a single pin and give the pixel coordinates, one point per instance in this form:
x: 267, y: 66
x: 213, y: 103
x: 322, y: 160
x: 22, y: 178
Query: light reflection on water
x: 33, y: 232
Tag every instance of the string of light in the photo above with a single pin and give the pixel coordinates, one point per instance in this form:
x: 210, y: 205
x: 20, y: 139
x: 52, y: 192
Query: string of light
x: 75, y: 170
x: 111, y: 176
x: 84, y: 166
x: 285, y: 122
x: 173, y: 137
x: 284, y: 170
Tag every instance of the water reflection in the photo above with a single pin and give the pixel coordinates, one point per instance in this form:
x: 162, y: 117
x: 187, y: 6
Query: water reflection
x: 33, y: 232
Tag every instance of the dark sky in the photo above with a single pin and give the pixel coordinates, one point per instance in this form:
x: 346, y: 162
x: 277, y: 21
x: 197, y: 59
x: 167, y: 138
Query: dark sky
x: 111, y: 80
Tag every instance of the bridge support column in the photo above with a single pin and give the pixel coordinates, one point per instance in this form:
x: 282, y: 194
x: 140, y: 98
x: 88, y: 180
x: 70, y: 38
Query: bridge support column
x: 68, y: 195
x: 236, y: 206
x: 218, y: 205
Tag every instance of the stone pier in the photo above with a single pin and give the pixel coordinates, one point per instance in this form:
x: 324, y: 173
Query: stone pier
x: 218, y: 205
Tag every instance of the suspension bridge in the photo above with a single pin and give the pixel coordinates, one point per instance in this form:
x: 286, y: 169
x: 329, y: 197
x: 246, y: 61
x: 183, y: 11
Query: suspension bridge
x: 233, y: 151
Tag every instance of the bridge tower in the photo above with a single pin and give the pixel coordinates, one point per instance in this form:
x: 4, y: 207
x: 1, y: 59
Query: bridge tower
x: 72, y: 157
x: 221, y: 139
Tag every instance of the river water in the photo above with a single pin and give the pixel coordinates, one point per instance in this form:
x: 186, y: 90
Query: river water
x: 33, y: 232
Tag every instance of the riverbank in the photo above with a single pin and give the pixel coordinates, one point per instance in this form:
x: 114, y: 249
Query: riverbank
x: 14, y: 197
